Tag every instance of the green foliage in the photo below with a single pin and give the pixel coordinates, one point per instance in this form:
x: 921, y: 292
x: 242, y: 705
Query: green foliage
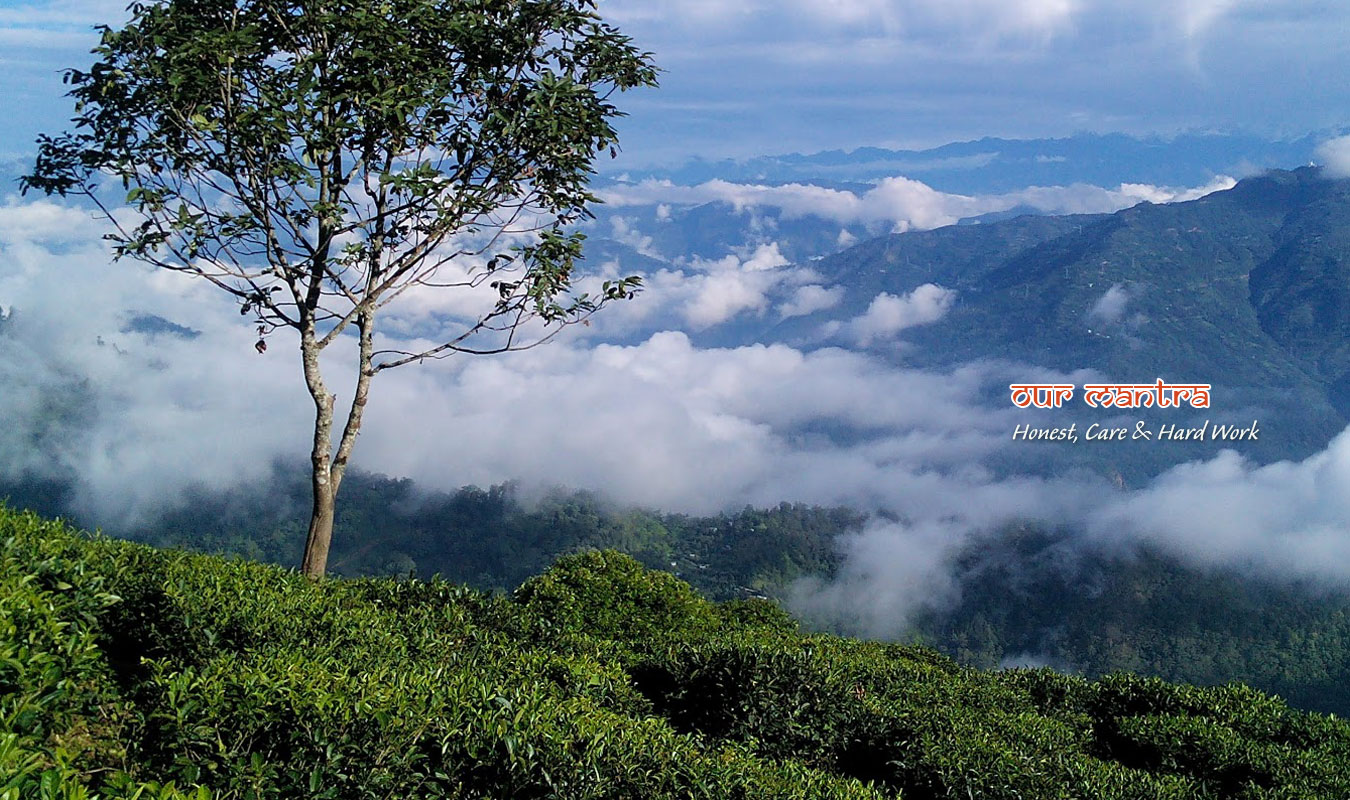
x: 1027, y: 592
x: 317, y: 159
x: 493, y: 539
x: 597, y: 679
x: 611, y: 596
x: 256, y: 682
x: 64, y: 725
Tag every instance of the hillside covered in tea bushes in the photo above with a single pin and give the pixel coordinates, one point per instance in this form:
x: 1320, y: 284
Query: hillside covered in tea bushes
x: 132, y: 672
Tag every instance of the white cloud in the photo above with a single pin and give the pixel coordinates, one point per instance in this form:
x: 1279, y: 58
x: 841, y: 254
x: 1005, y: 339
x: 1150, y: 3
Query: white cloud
x: 1198, y: 16
x: 902, y: 202
x: 46, y: 223
x: 622, y: 230
x: 1029, y: 24
x: 888, y: 314
x: 133, y: 416
x: 1162, y: 194
x: 765, y: 256
x: 919, y: 18
x: 809, y: 299
x: 723, y: 294
x: 729, y: 286
x: 888, y: 571
x: 670, y: 425
x: 1110, y: 307
x: 1287, y: 517
x: 1335, y: 155
x: 699, y: 293
x: 1286, y: 520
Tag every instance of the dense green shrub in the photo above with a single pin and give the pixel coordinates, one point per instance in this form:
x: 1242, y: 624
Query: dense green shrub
x: 128, y: 672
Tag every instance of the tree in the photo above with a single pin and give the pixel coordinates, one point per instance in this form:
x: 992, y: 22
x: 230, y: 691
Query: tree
x: 319, y: 160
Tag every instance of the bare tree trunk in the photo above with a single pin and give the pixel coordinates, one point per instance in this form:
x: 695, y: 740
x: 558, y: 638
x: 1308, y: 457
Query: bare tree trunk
x: 329, y: 468
x: 320, y: 537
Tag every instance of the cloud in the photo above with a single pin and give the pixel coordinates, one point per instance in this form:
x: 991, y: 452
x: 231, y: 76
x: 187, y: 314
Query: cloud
x: 1335, y: 155
x: 1110, y: 307
x: 1161, y: 194
x: 698, y: 293
x: 701, y: 429
x: 622, y: 230
x: 1290, y: 518
x: 131, y: 415
x: 133, y: 418
x: 766, y: 256
x: 1196, y: 17
x: 888, y: 314
x: 809, y: 299
x: 888, y: 572
x: 970, y: 18
x: 723, y: 294
x: 728, y: 286
x: 1287, y: 520
x: 901, y: 202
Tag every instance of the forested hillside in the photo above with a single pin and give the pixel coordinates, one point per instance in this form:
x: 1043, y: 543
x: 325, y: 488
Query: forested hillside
x: 494, y: 538
x: 1030, y: 595
x: 1024, y: 593
x: 1245, y: 289
x: 132, y: 672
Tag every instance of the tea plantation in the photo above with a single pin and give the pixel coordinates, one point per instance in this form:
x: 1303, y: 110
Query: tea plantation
x: 130, y: 672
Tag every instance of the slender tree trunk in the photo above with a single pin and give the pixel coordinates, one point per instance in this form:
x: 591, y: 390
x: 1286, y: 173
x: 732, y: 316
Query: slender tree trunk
x: 320, y: 537
x: 328, y: 468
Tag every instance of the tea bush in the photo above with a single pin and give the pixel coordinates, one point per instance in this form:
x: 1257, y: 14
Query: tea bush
x: 129, y: 672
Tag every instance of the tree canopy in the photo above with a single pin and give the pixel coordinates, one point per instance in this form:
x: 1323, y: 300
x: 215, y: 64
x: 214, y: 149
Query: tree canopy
x: 321, y: 159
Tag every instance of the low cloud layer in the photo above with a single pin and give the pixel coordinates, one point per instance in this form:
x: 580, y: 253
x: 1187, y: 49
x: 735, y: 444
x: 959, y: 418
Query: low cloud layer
x: 903, y: 203
x: 134, y: 412
x: 1290, y: 517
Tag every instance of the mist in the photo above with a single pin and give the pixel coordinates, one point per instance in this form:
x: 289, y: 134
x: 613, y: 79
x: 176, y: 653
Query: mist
x: 135, y: 386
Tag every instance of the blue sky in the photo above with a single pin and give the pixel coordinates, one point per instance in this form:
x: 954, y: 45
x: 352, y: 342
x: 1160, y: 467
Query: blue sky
x: 748, y: 77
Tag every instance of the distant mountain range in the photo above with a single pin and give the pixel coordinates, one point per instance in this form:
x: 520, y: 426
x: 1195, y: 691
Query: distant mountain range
x: 998, y: 165
x: 1246, y: 289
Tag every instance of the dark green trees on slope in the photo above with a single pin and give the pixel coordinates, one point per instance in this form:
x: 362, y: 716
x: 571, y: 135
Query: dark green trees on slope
x: 132, y: 672
x: 1026, y: 594
x: 1029, y: 595
x: 1246, y: 289
x: 494, y: 538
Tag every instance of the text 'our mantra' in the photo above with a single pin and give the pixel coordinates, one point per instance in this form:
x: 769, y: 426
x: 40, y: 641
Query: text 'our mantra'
x: 1117, y: 395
